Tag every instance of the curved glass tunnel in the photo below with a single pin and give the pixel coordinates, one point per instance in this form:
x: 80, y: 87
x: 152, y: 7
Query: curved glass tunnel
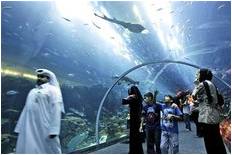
x: 88, y: 54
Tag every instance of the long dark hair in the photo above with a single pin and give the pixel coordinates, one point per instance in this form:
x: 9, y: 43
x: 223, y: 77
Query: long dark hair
x: 135, y: 90
x: 205, y: 74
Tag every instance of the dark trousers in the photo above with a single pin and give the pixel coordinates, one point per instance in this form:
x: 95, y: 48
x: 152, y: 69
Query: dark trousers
x: 213, y: 140
x: 135, y: 144
x: 187, y: 121
x: 153, y: 138
x: 199, y: 129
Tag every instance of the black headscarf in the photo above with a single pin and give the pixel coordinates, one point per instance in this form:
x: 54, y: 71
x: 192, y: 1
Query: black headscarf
x: 205, y: 74
x: 134, y: 90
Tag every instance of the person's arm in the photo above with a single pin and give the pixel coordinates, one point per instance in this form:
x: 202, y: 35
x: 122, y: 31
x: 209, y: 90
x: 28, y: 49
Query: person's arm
x: 156, y: 92
x: 142, y: 119
x: 177, y: 115
x: 23, y: 113
x: 176, y: 118
x: 128, y: 100
x: 20, y: 121
x: 55, y: 117
x: 173, y: 117
x: 141, y: 124
x: 174, y: 105
x: 197, y: 90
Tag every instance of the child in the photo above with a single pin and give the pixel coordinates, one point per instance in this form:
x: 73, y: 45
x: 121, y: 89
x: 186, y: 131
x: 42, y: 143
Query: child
x: 169, y: 125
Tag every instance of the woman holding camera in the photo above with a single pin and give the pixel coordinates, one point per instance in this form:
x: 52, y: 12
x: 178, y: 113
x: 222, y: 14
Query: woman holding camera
x: 134, y: 100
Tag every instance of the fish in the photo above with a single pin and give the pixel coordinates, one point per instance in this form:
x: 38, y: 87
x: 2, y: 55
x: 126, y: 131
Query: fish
x: 96, y: 25
x: 81, y: 114
x: 12, y: 111
x: 159, y: 9
x: 136, y: 28
x: 12, y: 92
x: 46, y: 54
x: 16, y: 34
x: 228, y: 71
x: 20, y: 26
x: 71, y: 75
x: 188, y: 20
x: 224, y: 76
x: 221, y: 6
x: 127, y: 80
x: 27, y: 24
x: 67, y: 19
x: 103, y: 139
x: 88, y: 72
x: 187, y: 58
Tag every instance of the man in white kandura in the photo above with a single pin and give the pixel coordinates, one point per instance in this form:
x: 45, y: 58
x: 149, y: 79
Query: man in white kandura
x: 38, y: 127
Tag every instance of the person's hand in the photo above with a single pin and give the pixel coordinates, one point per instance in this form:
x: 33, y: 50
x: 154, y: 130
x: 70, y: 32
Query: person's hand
x: 140, y: 129
x: 133, y: 95
x: 170, y: 116
x: 174, y: 105
x: 52, y: 136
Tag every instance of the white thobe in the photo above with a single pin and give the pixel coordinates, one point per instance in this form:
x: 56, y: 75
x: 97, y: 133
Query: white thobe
x: 40, y: 118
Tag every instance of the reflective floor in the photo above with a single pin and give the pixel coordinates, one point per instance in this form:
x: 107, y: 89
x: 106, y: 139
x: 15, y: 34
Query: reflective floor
x: 189, y: 143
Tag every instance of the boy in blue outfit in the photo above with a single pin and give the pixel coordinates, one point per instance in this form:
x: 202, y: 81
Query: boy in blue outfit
x: 169, y: 126
x: 151, y: 116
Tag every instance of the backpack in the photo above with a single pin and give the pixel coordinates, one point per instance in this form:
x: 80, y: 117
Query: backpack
x: 219, y: 95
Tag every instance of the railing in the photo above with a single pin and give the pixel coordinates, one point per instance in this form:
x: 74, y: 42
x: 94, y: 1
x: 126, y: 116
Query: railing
x: 99, y: 146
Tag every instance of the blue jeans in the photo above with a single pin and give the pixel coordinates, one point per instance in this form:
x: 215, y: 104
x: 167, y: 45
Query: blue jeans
x: 169, y: 141
x: 187, y: 121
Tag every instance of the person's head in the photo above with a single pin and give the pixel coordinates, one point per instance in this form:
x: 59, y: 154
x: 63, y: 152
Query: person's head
x: 47, y: 76
x: 133, y: 90
x: 168, y: 99
x: 204, y: 74
x: 148, y: 97
x: 42, y: 78
x: 181, y: 95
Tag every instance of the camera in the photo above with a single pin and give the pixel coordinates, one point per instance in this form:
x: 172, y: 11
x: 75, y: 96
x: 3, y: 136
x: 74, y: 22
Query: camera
x: 124, y: 101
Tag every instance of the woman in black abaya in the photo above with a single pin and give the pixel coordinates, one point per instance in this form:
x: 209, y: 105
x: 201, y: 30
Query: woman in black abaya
x: 134, y: 100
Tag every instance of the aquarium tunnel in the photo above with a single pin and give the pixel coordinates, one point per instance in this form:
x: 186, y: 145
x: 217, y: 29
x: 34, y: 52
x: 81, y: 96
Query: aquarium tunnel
x: 99, y: 49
